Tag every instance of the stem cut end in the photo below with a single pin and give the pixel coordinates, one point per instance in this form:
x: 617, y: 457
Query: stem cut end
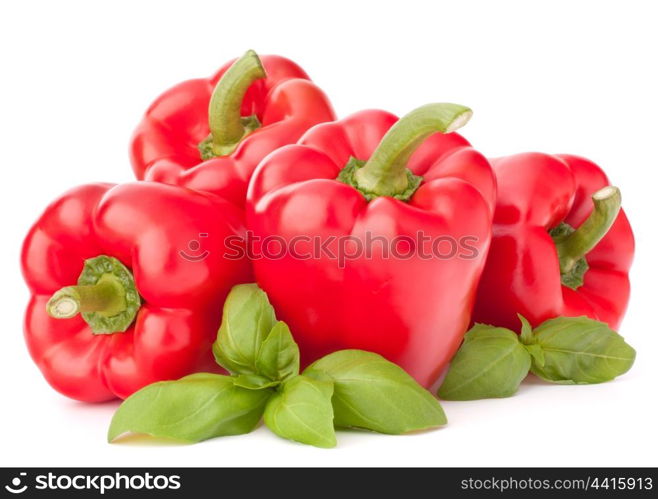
x: 608, y: 192
x: 459, y: 121
x: 63, y: 305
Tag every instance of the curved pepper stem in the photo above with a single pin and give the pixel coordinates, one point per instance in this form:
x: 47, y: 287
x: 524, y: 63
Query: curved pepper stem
x: 574, y: 246
x: 227, y: 125
x: 386, y: 173
x: 105, y: 296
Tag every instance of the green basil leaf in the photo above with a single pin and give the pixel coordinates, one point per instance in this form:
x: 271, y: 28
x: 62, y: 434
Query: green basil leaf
x: 526, y: 330
x: 579, y: 350
x: 537, y: 354
x: 278, y: 358
x: 193, y: 408
x: 491, y: 363
x: 372, y: 393
x: 247, y: 320
x: 302, y: 411
x: 254, y: 382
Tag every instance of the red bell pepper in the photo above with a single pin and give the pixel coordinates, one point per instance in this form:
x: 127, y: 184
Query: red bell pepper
x: 210, y: 134
x: 539, y: 266
x: 127, y: 286
x: 374, y: 182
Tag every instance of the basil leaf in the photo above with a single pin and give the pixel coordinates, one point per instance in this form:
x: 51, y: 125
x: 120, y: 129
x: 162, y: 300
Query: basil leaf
x: 254, y: 382
x: 247, y: 320
x: 527, y: 337
x: 537, y: 354
x: 194, y: 408
x: 491, y: 363
x: 372, y: 393
x: 278, y: 358
x: 302, y: 411
x: 526, y: 330
x: 579, y: 350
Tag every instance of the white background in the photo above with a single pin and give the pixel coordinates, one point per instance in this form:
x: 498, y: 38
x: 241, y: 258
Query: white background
x: 555, y: 76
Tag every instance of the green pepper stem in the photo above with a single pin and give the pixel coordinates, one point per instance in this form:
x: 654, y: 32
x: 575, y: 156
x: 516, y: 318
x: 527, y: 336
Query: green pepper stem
x: 385, y: 173
x: 106, y: 297
x: 227, y: 127
x: 607, y: 203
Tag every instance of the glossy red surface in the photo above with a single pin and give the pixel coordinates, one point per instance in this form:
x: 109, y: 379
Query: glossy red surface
x: 535, y: 193
x: 164, y: 145
x: 414, y: 311
x: 146, y: 226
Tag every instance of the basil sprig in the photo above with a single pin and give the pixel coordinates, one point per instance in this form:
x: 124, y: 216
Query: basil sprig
x: 193, y: 408
x: 490, y: 363
x: 349, y: 388
x: 302, y: 411
x: 493, y: 361
x: 247, y: 320
x: 579, y: 351
x: 375, y: 394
